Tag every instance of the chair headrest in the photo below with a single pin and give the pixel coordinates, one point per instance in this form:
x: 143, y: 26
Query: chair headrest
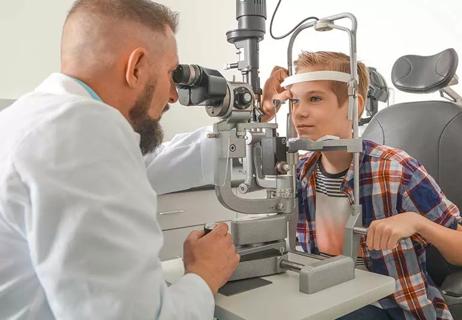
x: 424, y: 74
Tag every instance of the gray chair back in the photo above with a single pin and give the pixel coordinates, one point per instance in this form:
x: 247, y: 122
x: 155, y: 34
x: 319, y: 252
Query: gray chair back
x: 430, y: 131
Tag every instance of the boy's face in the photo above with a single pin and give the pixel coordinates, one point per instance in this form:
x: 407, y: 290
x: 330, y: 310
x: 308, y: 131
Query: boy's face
x: 316, y: 111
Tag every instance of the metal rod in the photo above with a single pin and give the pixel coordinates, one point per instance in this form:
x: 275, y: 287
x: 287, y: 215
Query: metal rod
x: 359, y: 230
x: 354, y: 73
x: 259, y: 248
x: 290, y: 265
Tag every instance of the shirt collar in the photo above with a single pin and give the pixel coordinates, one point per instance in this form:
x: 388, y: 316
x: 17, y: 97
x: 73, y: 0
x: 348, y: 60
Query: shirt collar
x: 311, y: 159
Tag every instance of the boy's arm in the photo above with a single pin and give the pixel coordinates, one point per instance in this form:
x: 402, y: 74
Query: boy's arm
x: 426, y: 211
x: 385, y: 234
x: 447, y: 241
x: 416, y: 192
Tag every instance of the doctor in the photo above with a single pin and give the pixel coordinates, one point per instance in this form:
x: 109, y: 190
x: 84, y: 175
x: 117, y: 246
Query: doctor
x: 79, y: 238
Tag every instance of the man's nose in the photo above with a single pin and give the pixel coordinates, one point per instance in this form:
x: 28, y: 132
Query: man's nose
x: 173, y: 96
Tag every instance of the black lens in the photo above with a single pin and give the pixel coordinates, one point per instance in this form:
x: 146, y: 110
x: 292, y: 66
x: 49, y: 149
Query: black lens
x: 187, y: 74
x: 181, y: 74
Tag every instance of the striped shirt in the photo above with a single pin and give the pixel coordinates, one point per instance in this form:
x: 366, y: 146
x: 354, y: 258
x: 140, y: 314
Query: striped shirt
x: 391, y: 182
x: 328, y: 183
x: 332, y: 211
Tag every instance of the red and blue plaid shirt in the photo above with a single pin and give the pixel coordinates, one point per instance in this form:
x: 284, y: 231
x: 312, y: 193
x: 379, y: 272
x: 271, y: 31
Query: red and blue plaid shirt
x: 391, y: 182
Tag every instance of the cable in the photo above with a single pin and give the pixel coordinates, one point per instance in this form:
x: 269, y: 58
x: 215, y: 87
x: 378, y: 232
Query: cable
x: 293, y: 29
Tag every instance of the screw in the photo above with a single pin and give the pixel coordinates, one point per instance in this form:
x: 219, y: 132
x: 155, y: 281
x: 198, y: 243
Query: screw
x: 232, y: 148
x: 280, y: 206
x: 243, y: 188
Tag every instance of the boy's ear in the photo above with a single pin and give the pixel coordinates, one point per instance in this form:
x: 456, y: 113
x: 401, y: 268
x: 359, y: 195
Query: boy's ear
x: 360, y: 105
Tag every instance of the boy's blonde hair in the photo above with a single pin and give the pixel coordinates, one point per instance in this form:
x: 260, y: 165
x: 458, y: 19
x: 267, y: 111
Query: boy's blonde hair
x: 334, y: 61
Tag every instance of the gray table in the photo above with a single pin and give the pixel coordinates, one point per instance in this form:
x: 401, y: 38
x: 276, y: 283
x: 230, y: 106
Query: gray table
x: 282, y: 299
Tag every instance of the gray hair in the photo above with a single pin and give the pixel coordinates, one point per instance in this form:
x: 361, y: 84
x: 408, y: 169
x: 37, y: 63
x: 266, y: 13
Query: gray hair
x: 150, y: 14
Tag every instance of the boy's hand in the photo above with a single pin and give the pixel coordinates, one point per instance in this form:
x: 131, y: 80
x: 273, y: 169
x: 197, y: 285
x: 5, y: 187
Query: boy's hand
x: 273, y: 90
x: 384, y: 234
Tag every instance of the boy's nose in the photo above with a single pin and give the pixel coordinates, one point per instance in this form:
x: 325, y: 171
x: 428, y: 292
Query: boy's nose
x: 300, y: 112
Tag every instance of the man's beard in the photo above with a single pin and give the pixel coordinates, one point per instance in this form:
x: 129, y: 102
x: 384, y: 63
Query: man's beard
x: 149, y: 129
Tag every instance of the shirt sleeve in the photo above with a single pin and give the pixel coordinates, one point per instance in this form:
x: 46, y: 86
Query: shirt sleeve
x: 423, y: 195
x: 418, y: 192
x: 186, y: 161
x: 92, y: 231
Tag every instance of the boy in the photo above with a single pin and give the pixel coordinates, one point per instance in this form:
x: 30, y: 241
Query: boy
x: 393, y: 185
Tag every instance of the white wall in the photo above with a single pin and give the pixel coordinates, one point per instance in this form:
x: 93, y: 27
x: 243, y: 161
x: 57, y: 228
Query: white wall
x: 386, y: 31
x: 30, y: 33
x: 201, y: 40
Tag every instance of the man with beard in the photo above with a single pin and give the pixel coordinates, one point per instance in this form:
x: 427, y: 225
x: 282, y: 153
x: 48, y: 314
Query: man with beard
x: 79, y: 238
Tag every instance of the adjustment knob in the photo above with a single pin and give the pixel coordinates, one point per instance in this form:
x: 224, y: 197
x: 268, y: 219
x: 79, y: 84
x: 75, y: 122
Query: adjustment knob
x: 242, y: 98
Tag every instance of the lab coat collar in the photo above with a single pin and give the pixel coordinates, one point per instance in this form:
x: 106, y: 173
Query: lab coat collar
x: 61, y: 84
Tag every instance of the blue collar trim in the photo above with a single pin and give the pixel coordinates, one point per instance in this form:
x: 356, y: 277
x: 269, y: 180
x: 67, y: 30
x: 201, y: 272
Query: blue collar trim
x: 90, y: 91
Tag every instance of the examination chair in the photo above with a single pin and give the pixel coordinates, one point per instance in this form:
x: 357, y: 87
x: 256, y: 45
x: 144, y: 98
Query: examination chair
x: 431, y: 132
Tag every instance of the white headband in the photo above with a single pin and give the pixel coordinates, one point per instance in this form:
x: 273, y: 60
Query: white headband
x: 316, y: 75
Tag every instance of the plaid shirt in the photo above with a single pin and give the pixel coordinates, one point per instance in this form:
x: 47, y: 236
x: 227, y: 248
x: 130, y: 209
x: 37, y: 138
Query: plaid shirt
x: 391, y: 182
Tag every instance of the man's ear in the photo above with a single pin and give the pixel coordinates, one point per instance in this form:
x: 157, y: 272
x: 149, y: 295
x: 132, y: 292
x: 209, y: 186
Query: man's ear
x: 136, y: 67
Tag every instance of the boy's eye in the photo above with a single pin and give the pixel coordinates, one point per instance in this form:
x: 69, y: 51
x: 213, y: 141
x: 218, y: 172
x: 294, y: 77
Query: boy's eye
x: 315, y: 99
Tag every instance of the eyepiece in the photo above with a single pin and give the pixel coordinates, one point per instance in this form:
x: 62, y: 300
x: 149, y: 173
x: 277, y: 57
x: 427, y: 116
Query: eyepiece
x: 187, y: 74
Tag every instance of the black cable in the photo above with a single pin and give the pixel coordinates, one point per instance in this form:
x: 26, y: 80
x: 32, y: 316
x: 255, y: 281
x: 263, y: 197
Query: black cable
x: 293, y: 29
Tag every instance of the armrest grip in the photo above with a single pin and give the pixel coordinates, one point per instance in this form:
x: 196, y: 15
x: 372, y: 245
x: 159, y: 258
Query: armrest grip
x: 452, y: 285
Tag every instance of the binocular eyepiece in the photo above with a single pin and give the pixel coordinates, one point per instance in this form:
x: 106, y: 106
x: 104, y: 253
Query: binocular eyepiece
x: 188, y: 75
x: 199, y: 86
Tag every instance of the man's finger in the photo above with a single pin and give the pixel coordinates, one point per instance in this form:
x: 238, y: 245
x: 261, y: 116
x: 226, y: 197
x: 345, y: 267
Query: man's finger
x: 221, y: 229
x: 194, y: 235
x: 276, y: 68
x: 283, y: 96
x: 281, y: 74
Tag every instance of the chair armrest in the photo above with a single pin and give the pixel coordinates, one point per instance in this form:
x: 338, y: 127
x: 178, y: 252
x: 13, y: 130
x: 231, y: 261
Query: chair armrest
x: 452, y: 284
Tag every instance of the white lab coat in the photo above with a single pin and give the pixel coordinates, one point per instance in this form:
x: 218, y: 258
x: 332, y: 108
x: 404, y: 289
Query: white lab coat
x: 186, y: 161
x: 79, y: 238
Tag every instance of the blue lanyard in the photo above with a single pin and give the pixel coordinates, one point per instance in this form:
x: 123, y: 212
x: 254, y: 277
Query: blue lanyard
x: 90, y: 91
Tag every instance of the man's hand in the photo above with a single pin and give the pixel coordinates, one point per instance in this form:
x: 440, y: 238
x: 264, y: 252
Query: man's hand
x: 212, y: 256
x: 385, y: 234
x: 273, y: 90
